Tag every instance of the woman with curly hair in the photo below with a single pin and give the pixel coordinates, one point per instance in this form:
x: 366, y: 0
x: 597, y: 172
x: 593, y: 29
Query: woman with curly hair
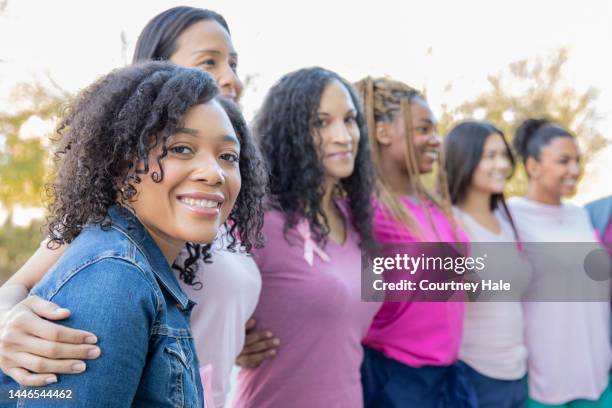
x: 568, y: 342
x: 312, y: 134
x: 227, y: 285
x: 412, y: 347
x: 148, y: 159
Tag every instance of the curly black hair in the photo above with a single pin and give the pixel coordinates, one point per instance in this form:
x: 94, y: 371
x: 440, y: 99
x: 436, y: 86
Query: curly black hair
x: 116, y: 122
x: 285, y: 128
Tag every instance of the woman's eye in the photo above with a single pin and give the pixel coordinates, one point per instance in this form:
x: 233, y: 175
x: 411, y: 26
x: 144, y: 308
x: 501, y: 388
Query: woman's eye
x: 209, y: 63
x: 350, y: 119
x: 181, y: 149
x: 230, y: 157
x: 320, y: 123
x: 234, y: 66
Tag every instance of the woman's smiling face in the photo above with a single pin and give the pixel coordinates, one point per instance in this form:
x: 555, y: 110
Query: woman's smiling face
x: 200, y: 184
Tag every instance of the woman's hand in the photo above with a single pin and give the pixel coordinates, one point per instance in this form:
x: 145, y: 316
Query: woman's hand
x: 33, y: 349
x: 258, y: 346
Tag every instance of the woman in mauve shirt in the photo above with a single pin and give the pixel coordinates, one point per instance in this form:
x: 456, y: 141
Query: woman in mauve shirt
x: 312, y: 134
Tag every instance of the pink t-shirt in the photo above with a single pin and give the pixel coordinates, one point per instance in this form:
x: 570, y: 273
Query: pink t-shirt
x: 317, y: 313
x: 417, y: 333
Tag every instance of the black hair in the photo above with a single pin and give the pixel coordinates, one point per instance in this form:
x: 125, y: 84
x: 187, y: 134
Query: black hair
x: 157, y: 41
x: 463, y: 148
x: 116, y: 122
x: 285, y: 128
x: 533, y: 134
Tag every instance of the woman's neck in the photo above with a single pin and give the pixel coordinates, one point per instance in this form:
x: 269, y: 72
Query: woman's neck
x: 335, y: 220
x: 398, y: 180
x: 539, y: 195
x: 169, y: 247
x: 476, y: 203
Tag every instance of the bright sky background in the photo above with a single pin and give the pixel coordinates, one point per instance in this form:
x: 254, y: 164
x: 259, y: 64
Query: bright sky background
x: 76, y: 41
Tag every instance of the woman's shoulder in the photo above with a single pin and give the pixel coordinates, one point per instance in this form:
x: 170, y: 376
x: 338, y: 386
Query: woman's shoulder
x: 98, y: 257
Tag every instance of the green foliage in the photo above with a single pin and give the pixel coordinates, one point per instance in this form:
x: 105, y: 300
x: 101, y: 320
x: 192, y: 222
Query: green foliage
x: 23, y: 163
x: 23, y: 168
x: 533, y: 88
x: 16, y: 246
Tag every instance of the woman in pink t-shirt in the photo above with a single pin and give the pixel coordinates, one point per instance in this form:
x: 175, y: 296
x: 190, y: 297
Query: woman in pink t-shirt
x: 312, y: 134
x: 412, y: 347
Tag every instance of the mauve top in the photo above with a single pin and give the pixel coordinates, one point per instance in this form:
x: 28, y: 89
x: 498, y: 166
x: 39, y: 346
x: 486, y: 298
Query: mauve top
x: 317, y: 313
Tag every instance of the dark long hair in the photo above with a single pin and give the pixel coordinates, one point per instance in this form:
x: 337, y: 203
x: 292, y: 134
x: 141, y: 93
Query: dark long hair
x: 463, y: 147
x: 114, y: 123
x: 285, y: 128
x: 157, y: 41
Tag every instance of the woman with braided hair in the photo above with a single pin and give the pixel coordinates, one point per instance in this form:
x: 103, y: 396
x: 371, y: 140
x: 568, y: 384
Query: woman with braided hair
x: 411, y: 349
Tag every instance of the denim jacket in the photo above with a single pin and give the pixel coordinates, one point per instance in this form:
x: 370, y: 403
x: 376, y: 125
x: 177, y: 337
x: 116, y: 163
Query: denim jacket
x: 120, y: 287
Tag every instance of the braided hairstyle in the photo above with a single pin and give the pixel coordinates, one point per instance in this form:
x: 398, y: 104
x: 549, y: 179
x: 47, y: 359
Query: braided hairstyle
x: 385, y: 100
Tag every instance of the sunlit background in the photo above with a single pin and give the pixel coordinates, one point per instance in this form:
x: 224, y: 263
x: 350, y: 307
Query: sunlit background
x: 453, y: 50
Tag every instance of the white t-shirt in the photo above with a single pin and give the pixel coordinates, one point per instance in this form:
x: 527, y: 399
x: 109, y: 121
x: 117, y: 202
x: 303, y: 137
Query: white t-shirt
x: 493, y: 342
x: 568, y: 342
x: 230, y: 292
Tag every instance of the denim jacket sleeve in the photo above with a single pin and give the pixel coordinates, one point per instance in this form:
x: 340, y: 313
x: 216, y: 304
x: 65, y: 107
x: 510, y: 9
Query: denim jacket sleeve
x: 113, y: 299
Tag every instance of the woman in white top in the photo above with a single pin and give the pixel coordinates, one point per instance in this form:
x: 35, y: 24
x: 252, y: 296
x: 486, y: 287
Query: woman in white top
x: 568, y: 344
x: 478, y: 161
x: 33, y: 350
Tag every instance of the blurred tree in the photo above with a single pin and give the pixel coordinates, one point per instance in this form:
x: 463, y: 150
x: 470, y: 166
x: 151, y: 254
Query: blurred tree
x: 24, y: 157
x: 533, y: 88
x: 17, y: 244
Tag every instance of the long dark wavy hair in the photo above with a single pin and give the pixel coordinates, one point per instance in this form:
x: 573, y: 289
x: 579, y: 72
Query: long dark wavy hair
x: 116, y: 122
x: 285, y: 127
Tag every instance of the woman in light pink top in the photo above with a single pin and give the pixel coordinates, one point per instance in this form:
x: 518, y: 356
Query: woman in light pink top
x: 569, y: 350
x: 412, y: 347
x: 478, y: 162
x: 312, y: 134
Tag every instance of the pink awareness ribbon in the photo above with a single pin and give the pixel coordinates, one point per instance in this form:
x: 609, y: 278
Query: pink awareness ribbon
x: 310, y: 247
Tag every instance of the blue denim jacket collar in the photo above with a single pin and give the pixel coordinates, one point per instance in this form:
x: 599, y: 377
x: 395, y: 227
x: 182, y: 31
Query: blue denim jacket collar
x: 127, y: 223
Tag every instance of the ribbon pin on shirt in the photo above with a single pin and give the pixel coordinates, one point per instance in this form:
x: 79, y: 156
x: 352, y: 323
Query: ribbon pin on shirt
x: 310, y: 247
